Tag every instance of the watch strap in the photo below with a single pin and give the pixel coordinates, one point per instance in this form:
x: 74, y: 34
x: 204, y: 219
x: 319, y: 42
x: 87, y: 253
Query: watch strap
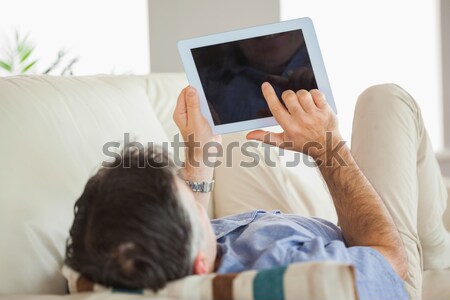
x: 201, y: 186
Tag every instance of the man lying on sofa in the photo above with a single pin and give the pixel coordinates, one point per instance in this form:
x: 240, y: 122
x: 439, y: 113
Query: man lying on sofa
x: 143, y: 227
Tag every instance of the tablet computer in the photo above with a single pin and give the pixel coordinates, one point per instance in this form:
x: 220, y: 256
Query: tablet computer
x: 227, y: 69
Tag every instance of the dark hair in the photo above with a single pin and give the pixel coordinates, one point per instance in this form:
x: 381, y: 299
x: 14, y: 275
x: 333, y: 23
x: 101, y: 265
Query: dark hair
x: 131, y: 230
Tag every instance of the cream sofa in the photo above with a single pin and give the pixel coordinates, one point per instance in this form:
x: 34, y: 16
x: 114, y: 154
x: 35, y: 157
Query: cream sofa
x: 52, y: 131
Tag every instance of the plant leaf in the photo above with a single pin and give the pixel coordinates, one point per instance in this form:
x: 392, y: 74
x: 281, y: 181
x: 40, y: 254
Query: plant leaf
x: 23, y: 46
x: 26, y: 54
x: 5, y: 66
x: 24, y: 70
x: 62, y: 53
x: 56, y: 62
x: 68, y: 68
x: 52, y: 66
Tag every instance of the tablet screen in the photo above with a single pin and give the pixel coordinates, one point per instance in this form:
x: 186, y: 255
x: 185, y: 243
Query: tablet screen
x: 232, y: 73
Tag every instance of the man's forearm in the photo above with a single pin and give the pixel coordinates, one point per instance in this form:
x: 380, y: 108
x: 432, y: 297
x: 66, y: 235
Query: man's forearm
x: 196, y: 133
x: 196, y: 170
x: 363, y: 217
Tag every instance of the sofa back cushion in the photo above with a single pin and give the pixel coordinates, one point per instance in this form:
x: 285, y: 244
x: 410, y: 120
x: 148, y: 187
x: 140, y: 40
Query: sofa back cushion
x: 162, y: 91
x: 52, y: 132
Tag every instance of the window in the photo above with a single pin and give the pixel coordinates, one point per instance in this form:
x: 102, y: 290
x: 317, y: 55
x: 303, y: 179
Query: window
x: 108, y: 36
x: 369, y: 42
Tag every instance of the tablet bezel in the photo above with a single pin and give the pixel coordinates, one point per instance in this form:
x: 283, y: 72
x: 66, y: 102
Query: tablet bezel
x: 312, y: 45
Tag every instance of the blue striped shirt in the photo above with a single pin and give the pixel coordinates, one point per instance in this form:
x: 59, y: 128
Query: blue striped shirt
x: 261, y: 240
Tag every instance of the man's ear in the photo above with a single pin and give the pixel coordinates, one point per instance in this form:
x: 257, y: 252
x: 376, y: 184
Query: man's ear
x: 201, y: 265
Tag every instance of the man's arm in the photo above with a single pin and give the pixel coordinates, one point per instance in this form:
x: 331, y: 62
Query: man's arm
x: 195, y: 170
x: 196, y: 133
x: 362, y: 215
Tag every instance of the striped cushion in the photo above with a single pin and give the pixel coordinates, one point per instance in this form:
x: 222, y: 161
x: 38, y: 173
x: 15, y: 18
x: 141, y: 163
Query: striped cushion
x: 314, y: 280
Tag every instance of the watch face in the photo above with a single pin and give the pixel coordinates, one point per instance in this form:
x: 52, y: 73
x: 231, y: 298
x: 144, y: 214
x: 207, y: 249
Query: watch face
x: 202, y: 187
x: 197, y: 187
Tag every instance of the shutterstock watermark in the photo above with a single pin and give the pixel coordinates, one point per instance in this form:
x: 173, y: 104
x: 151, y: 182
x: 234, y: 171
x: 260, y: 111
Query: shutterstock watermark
x: 246, y: 154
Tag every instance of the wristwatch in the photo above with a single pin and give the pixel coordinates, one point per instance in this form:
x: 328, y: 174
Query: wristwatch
x: 201, y: 186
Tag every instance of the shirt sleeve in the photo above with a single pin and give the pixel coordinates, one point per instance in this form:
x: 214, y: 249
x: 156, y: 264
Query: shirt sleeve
x: 375, y: 278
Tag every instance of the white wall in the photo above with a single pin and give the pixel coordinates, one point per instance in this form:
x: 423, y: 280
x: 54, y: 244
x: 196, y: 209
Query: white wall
x: 370, y: 42
x: 108, y: 35
x: 172, y: 20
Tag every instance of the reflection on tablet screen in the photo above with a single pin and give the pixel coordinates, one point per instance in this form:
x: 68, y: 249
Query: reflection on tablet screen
x: 232, y: 73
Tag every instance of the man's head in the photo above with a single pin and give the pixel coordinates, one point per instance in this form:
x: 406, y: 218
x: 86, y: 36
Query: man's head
x: 137, y: 225
x: 271, y: 53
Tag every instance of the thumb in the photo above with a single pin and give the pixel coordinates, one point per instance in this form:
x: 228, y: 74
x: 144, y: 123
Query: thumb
x: 192, y: 103
x: 267, y: 137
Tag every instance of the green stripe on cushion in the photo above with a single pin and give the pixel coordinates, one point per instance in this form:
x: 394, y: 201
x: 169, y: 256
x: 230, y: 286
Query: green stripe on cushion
x: 268, y: 284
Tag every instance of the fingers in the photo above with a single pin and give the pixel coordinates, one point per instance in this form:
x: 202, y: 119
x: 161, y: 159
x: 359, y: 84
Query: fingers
x: 276, y: 108
x: 278, y: 81
x: 180, y: 112
x: 291, y: 101
x: 319, y: 98
x: 306, y: 101
x: 267, y: 137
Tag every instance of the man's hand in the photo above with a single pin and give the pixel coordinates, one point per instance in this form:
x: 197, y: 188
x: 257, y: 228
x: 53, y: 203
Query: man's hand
x: 196, y: 132
x: 301, y: 78
x: 306, y: 119
x: 192, y: 124
x: 363, y: 217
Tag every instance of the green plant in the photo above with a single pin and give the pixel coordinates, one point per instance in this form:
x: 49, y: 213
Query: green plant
x: 18, y: 59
